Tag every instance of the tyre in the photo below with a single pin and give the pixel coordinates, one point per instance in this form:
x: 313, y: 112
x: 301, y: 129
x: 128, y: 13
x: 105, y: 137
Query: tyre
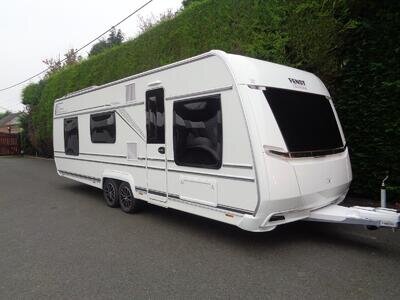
x: 110, y: 191
x: 128, y: 203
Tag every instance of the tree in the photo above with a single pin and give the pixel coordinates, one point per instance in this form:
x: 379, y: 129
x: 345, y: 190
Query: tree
x: 99, y: 47
x: 53, y: 65
x: 71, y: 57
x: 116, y: 37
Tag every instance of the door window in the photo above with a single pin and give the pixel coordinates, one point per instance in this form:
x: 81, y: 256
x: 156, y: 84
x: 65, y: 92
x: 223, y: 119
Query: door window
x: 155, y: 119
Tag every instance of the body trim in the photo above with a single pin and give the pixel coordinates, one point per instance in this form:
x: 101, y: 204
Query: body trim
x: 79, y: 175
x: 215, y: 175
x: 103, y: 108
x: 232, y: 165
x: 98, y: 161
x: 194, y: 94
x: 132, y: 126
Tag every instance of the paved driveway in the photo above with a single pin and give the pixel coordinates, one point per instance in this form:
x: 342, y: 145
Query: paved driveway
x: 59, y: 240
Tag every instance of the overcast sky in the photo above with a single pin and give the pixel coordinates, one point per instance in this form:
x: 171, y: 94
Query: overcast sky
x: 32, y: 30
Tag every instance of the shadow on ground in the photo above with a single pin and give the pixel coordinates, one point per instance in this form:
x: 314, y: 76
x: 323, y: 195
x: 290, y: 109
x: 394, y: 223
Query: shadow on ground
x: 345, y: 237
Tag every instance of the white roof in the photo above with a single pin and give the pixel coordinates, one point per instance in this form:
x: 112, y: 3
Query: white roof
x: 245, y: 70
x: 257, y: 72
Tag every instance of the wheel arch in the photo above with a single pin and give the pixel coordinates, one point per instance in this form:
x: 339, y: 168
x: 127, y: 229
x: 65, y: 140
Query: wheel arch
x: 118, y: 175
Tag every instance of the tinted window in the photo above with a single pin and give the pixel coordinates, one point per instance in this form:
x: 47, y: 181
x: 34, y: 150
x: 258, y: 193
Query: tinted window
x: 155, y: 116
x: 71, y: 136
x: 198, y: 132
x: 306, y: 120
x: 102, y: 127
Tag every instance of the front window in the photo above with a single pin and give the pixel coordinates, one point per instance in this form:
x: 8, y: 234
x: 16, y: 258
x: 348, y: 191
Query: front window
x: 307, y: 121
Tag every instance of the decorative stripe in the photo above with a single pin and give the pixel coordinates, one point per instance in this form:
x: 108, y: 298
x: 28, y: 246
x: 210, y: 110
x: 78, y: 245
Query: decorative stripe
x: 155, y: 159
x: 215, y: 175
x: 163, y: 194
x: 209, y: 91
x: 103, y: 162
x: 234, y: 209
x: 99, y: 154
x: 72, y: 111
x: 158, y: 193
x: 174, y: 197
x: 162, y: 169
x: 156, y: 168
x: 140, y: 188
x: 80, y: 175
x: 232, y: 165
x: 128, y: 120
x: 106, y: 108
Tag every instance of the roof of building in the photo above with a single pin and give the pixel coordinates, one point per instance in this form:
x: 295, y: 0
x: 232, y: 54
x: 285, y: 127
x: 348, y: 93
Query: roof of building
x: 10, y: 119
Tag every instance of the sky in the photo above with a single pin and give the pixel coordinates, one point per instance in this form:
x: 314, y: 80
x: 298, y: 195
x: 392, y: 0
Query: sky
x: 33, y: 30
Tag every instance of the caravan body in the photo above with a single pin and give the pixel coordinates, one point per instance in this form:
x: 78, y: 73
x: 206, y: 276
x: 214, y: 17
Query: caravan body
x: 231, y: 138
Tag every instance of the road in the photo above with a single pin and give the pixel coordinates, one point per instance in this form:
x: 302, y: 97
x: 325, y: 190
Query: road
x: 59, y: 240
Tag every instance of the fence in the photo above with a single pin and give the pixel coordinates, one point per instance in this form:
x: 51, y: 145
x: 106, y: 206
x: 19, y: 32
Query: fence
x: 10, y: 144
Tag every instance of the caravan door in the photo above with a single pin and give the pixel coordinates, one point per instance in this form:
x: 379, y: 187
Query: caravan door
x: 156, y: 158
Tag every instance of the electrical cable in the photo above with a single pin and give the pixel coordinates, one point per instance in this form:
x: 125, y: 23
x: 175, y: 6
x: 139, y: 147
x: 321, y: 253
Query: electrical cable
x: 81, y: 48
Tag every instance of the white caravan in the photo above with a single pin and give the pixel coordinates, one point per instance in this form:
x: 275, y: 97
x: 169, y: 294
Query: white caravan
x: 227, y: 137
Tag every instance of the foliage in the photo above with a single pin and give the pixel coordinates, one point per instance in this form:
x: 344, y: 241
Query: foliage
x: 5, y: 113
x: 54, y: 65
x: 115, y: 38
x: 368, y: 91
x: 151, y: 21
x: 71, y: 57
x: 351, y: 45
x: 186, y: 3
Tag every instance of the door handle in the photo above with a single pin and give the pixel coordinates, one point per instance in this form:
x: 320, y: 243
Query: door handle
x: 161, y: 150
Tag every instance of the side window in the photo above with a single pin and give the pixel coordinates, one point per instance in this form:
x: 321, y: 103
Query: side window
x: 71, y: 136
x: 102, y: 128
x: 155, y: 116
x: 198, y: 132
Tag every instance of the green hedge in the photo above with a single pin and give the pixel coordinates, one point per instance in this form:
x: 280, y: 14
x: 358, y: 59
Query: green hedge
x: 352, y: 45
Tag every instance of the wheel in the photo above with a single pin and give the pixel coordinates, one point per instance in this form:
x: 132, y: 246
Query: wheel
x: 110, y: 191
x: 128, y: 203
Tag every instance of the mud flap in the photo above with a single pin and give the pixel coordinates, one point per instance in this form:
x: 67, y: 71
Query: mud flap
x: 358, y: 215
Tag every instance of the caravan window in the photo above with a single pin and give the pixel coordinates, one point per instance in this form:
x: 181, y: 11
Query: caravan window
x: 102, y: 128
x: 155, y: 116
x: 198, y: 132
x: 71, y: 136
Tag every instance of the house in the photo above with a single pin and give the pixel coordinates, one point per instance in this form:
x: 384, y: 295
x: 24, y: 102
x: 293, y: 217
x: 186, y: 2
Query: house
x: 10, y: 123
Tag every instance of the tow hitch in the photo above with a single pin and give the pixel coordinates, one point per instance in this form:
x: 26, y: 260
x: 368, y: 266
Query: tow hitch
x: 371, y: 217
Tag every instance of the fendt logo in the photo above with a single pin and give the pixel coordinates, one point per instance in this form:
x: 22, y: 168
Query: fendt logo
x: 297, y: 83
